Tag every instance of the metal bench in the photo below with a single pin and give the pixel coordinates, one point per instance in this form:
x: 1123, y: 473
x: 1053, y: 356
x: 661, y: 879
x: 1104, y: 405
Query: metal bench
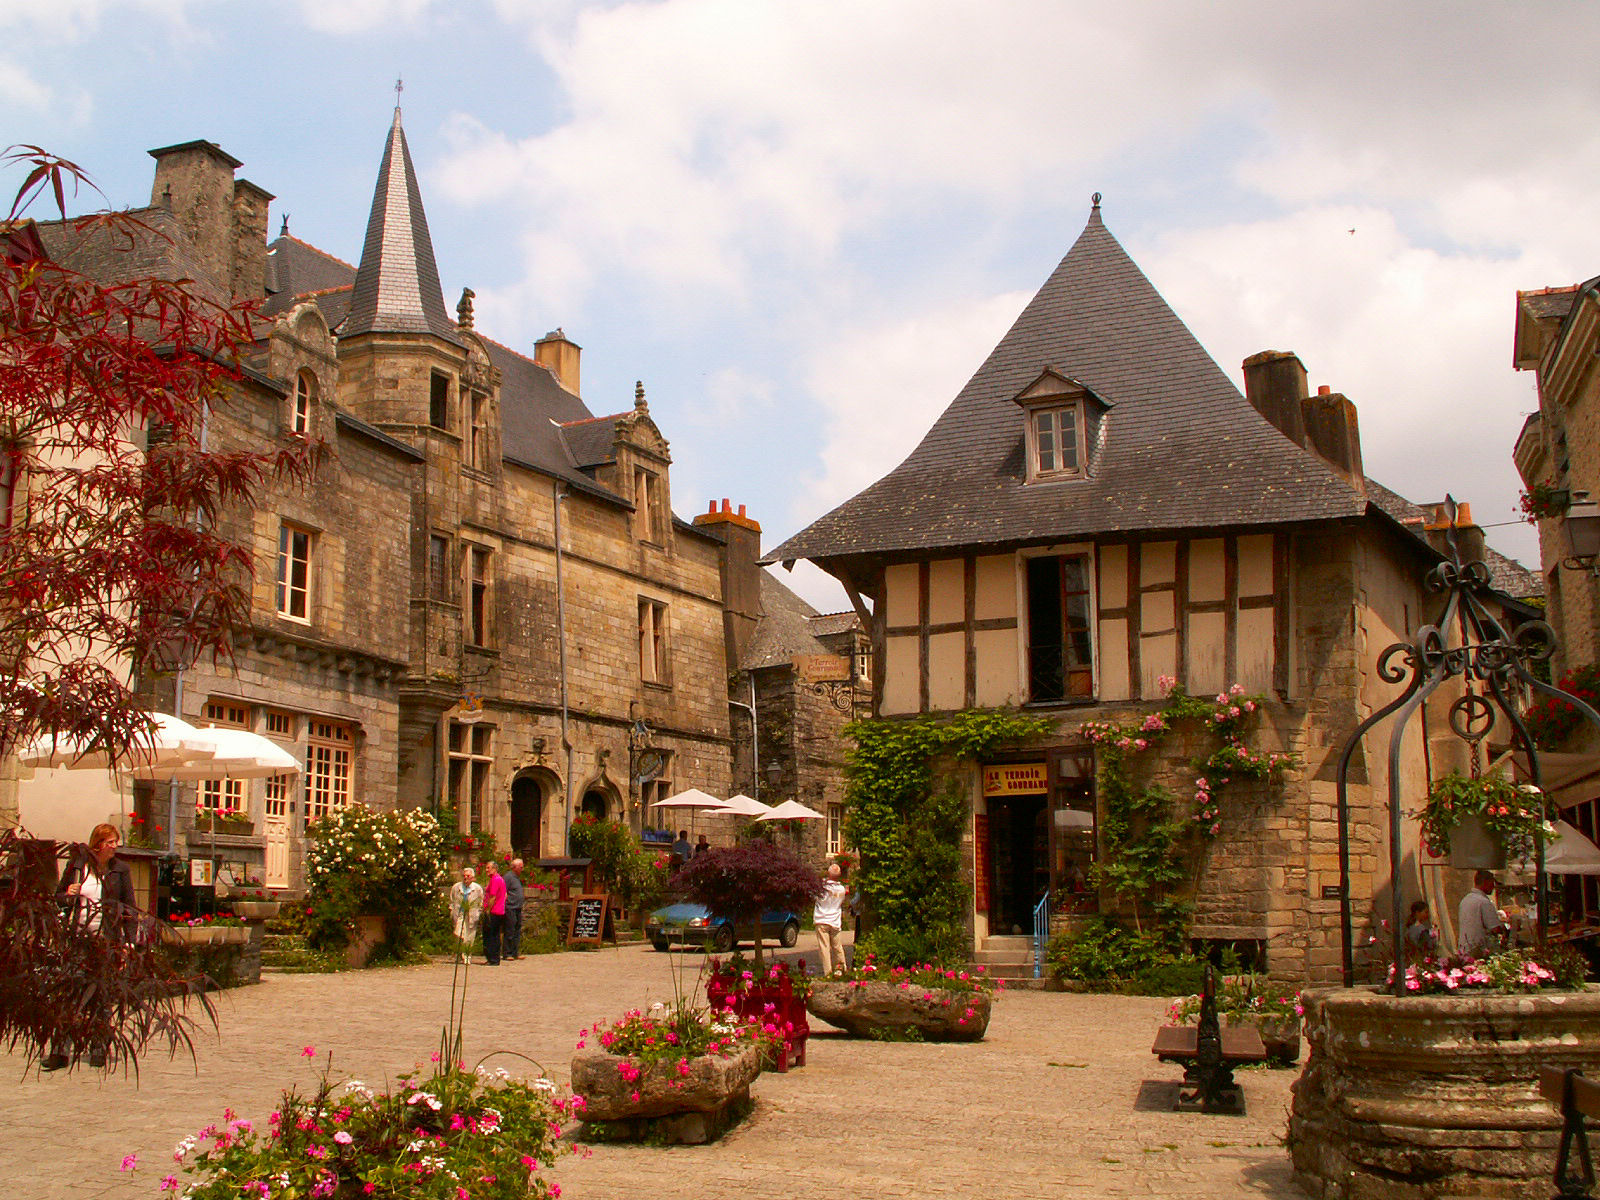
x: 1208, y: 1054
x: 1577, y: 1097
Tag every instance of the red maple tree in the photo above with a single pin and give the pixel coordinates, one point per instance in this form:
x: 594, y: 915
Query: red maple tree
x: 111, y: 559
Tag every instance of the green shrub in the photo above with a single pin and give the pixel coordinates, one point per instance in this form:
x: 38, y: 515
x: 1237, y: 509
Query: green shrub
x: 364, y: 862
x: 909, y: 948
x: 1105, y: 952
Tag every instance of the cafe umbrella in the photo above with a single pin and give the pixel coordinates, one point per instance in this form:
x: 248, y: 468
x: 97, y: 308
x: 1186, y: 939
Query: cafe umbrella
x: 170, y: 740
x: 692, y: 798
x: 747, y: 806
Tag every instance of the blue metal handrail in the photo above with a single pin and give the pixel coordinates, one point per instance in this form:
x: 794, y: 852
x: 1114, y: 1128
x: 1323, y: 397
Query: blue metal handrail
x: 1041, y: 933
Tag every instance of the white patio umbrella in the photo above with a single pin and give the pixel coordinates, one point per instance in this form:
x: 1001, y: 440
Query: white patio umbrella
x: 692, y: 798
x: 791, y: 810
x: 172, y: 740
x: 1569, y: 852
x: 225, y: 754
x: 747, y: 806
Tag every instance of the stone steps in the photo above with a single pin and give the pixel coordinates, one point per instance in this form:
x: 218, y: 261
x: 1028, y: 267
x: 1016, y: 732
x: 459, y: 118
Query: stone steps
x: 1006, y: 957
x: 286, y: 954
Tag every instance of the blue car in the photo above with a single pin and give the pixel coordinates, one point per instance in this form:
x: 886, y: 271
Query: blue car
x: 693, y: 925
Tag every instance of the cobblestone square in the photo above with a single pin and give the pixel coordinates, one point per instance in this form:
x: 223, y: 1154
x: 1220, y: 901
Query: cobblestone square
x: 1061, y: 1099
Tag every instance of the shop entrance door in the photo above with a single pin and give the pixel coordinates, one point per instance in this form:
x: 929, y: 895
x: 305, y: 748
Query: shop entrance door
x: 1019, y: 861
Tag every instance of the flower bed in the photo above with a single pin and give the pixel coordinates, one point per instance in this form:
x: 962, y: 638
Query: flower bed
x: 920, y: 1003
x: 456, y: 1133
x: 672, y: 1074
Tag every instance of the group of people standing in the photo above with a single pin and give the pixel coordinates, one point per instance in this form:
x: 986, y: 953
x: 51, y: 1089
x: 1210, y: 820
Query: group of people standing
x: 1481, y: 927
x: 496, y: 907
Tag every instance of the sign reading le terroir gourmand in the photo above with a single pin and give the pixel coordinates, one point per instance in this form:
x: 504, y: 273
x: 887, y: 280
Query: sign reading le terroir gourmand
x: 1015, y: 779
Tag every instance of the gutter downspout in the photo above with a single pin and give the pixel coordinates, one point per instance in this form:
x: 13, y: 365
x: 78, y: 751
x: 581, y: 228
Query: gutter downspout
x: 558, y: 494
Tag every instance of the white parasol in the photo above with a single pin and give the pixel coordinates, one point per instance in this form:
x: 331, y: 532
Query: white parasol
x: 226, y: 754
x: 791, y: 810
x: 171, y: 740
x: 747, y: 806
x: 692, y: 798
x: 1569, y: 852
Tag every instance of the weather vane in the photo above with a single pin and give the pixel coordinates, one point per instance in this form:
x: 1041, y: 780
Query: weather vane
x: 399, y: 86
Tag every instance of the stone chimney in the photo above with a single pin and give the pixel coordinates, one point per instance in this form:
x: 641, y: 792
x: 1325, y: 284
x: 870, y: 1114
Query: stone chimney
x: 1275, y: 385
x: 1333, y: 432
x: 249, y: 281
x: 195, y: 181
x: 560, y: 354
x: 1436, y: 528
x: 741, y: 578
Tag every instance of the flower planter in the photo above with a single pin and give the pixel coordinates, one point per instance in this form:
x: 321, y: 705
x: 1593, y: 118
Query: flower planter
x: 1434, y: 1096
x: 369, y: 933
x: 230, y: 935
x: 774, y: 1002
x: 868, y: 1008
x: 1473, y: 846
x: 235, y: 828
x: 188, y: 935
x: 663, y: 1104
x: 256, y: 910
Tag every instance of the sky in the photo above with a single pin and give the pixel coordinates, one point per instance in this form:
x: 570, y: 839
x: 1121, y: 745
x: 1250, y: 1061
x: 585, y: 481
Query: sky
x: 803, y: 226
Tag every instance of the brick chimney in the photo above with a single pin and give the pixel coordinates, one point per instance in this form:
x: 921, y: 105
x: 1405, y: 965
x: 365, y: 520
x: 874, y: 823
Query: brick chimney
x: 1275, y: 385
x: 1334, y: 433
x: 560, y: 354
x: 250, y: 203
x: 741, y: 578
x: 1469, y: 536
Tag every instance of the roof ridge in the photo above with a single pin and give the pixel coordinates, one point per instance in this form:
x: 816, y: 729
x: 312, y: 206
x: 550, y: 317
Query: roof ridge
x: 616, y: 416
x: 312, y: 246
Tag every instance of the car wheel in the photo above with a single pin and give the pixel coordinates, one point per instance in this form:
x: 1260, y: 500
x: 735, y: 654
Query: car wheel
x: 724, y: 939
x: 790, y: 934
x: 662, y: 945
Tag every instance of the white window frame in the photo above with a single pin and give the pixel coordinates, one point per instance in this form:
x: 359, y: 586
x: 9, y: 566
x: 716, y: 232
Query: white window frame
x: 470, y: 754
x: 835, y: 822
x: 655, y: 641
x: 305, y: 394
x: 330, y: 767
x: 1073, y: 414
x: 288, y: 591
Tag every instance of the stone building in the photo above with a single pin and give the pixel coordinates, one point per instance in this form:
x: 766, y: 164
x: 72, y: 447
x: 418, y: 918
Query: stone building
x: 483, y: 602
x: 1100, y: 508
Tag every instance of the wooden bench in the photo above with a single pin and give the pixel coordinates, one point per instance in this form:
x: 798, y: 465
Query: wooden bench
x: 1576, y: 1097
x: 1208, y: 1054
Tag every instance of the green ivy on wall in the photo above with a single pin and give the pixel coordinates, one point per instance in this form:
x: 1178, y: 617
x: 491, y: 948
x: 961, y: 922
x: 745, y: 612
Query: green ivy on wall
x: 908, y: 830
x: 1152, y: 844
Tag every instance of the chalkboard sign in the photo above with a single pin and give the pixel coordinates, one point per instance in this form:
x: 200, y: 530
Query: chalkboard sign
x: 591, y: 921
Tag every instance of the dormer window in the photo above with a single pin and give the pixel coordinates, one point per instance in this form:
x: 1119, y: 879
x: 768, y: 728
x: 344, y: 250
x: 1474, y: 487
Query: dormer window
x: 305, y: 394
x: 1060, y: 414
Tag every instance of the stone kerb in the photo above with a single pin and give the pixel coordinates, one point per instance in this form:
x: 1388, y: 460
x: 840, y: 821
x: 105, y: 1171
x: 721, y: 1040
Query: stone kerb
x: 863, y: 1007
x: 1434, y: 1096
x: 663, y: 1103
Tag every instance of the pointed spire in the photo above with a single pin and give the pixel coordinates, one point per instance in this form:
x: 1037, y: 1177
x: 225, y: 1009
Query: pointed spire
x: 397, y: 285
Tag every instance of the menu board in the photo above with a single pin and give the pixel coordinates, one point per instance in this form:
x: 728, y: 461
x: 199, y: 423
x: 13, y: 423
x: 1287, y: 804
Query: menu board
x: 591, y: 921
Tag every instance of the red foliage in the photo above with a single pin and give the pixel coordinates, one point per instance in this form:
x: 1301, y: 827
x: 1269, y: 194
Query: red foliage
x: 110, y: 554
x: 742, y: 882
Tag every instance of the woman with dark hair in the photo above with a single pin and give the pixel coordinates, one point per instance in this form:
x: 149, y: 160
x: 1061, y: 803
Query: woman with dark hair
x: 1422, y: 942
x: 96, y: 894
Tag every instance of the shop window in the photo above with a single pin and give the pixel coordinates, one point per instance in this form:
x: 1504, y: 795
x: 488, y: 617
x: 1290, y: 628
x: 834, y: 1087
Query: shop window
x: 328, y: 768
x: 1060, y: 647
x: 226, y: 712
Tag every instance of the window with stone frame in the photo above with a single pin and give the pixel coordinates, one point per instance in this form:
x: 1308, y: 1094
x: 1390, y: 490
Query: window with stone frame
x: 329, y: 767
x: 471, y: 758
x: 305, y: 394
x: 1055, y: 441
x: 279, y: 723
x: 296, y: 545
x: 835, y: 817
x: 1060, y: 642
x: 479, y: 609
x: 649, y: 520
x: 439, y: 400
x: 226, y: 712
x: 441, y: 579
x: 654, y: 651
x: 659, y: 788
x: 477, y: 430
x: 223, y: 796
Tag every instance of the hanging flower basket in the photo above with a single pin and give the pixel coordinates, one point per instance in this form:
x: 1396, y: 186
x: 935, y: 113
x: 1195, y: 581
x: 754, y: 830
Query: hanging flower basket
x: 1491, y: 818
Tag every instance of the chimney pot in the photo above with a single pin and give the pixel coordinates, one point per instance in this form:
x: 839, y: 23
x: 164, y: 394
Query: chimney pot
x: 741, y: 510
x: 712, y: 509
x: 726, y: 507
x: 1323, y: 389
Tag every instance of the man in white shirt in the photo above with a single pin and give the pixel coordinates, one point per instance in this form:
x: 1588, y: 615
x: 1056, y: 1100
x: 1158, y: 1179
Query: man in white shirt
x: 1479, y: 918
x: 828, y: 919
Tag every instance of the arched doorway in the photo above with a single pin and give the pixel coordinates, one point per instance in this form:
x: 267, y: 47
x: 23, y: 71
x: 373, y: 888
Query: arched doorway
x: 596, y: 804
x: 528, y: 793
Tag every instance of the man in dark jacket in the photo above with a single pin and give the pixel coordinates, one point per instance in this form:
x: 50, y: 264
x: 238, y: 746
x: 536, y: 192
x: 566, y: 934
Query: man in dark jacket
x: 511, y: 939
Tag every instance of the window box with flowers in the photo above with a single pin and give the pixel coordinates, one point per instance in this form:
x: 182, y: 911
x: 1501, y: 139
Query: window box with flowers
x: 1481, y: 822
x: 1545, y: 500
x: 676, y: 1074
x: 233, y: 821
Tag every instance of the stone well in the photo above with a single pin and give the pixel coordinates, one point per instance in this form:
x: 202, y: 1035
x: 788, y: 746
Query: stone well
x: 1417, y: 1097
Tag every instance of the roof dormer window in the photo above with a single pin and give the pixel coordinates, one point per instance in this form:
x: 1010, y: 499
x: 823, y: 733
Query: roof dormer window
x: 1059, y: 413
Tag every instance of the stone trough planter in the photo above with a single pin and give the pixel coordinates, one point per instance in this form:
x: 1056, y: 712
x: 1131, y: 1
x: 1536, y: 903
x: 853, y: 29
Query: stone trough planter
x: 255, y: 910
x: 671, y: 1107
x: 1419, y: 1097
x: 868, y: 1008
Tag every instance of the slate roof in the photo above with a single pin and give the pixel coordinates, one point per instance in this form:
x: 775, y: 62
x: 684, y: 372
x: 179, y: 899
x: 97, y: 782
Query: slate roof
x: 1548, y: 302
x: 1506, y: 575
x: 592, y: 441
x: 784, y: 630
x: 159, y: 250
x: 397, y: 284
x: 830, y: 624
x: 1181, y: 448
x: 295, y: 268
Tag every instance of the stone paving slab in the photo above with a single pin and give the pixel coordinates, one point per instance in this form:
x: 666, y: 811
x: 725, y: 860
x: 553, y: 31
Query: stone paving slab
x: 1059, y: 1100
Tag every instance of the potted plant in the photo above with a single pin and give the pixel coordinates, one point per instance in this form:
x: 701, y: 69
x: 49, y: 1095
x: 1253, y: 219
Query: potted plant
x: 229, y: 930
x: 1274, y: 1009
x: 672, y: 1074
x: 1482, y: 821
x: 925, y: 1002
x: 778, y: 993
x: 186, y: 929
x: 1543, y: 500
x: 234, y: 821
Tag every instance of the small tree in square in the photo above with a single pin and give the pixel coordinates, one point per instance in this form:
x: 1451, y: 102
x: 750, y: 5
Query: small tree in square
x: 742, y: 882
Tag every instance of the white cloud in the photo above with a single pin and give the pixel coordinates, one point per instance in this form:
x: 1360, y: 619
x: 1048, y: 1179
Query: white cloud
x: 344, y: 17
x: 18, y: 89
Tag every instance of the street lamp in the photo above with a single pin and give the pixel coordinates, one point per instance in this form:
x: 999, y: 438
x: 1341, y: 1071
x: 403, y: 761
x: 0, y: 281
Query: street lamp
x: 1581, y: 530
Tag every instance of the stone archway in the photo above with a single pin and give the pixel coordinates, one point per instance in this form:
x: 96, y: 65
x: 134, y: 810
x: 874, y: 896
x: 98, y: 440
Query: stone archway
x: 531, y: 794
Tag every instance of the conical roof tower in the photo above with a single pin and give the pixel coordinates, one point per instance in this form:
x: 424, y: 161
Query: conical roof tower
x: 397, y: 285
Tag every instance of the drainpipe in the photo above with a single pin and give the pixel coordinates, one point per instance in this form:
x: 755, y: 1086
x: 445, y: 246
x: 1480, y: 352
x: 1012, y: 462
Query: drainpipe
x: 558, y: 494
x: 755, y: 747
